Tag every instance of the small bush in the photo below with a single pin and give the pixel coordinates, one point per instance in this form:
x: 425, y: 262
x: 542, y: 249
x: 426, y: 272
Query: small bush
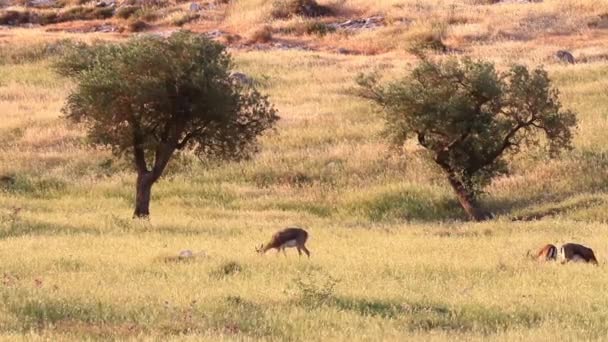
x: 283, y: 9
x: 137, y: 25
x: 314, y: 287
x: 317, y: 28
x: 261, y: 35
x: 16, y: 18
x: 126, y: 12
x: 146, y: 14
x: 309, y: 27
x: 183, y: 19
x: 600, y: 22
x: 428, y: 37
x: 85, y: 13
x: 227, y: 269
x: 48, y: 17
x: 65, y: 3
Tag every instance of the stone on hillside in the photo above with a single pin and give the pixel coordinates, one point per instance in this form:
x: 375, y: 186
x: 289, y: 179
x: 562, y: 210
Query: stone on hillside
x: 186, y: 253
x: 195, y: 7
x: 42, y: 3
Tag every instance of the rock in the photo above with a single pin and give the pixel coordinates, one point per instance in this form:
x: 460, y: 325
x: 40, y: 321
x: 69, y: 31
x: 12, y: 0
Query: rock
x: 564, y: 56
x: 106, y: 28
x: 42, y: 3
x: 186, y: 254
x: 343, y: 51
x: 359, y: 24
x: 106, y: 3
x: 195, y: 7
x: 214, y: 34
x: 241, y: 78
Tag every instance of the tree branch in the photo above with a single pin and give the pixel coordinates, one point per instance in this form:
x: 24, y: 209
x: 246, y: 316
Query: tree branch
x: 188, y: 136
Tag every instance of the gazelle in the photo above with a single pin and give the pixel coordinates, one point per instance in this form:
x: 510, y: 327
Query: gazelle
x: 547, y: 253
x: 569, y: 252
x: 575, y: 252
x: 288, y: 237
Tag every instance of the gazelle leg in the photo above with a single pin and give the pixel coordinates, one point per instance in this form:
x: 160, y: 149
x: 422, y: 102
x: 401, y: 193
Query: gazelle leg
x: 299, y: 251
x: 306, y: 251
x: 284, y: 253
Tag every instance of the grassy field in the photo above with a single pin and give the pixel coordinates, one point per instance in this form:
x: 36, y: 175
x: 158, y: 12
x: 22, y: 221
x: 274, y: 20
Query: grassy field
x: 392, y: 256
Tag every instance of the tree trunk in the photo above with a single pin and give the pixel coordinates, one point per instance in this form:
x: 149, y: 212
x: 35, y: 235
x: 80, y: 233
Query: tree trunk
x: 142, y: 195
x: 467, y: 200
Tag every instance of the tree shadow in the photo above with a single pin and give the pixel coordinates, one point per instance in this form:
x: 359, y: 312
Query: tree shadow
x: 24, y: 227
x: 423, y: 316
x: 577, y: 182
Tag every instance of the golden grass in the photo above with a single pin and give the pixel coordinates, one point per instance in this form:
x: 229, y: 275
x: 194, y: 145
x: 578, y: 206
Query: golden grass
x: 392, y: 257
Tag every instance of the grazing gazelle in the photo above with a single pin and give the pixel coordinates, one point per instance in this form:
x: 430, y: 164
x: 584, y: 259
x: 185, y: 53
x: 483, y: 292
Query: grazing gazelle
x: 575, y: 252
x: 547, y: 253
x: 569, y: 252
x: 288, y: 237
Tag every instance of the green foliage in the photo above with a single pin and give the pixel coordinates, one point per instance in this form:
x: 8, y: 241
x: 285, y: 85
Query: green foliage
x: 471, y: 117
x: 174, y: 92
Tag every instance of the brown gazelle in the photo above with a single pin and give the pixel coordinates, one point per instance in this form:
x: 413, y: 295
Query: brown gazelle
x: 547, y: 253
x: 575, y: 252
x: 569, y: 252
x: 288, y: 237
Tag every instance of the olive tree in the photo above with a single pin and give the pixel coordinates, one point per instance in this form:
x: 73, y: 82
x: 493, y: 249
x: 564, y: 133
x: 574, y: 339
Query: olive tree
x: 470, y: 117
x: 151, y: 97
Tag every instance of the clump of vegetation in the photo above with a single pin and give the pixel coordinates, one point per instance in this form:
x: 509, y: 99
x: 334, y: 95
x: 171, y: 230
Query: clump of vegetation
x: 309, y: 27
x: 261, y: 35
x: 85, y: 13
x: 126, y: 12
x: 227, y: 269
x: 314, y: 287
x: 14, y: 18
x: 147, y: 14
x: 152, y: 97
x: 137, y: 25
x: 470, y: 117
x: 428, y: 37
x: 184, y: 18
x: 283, y: 9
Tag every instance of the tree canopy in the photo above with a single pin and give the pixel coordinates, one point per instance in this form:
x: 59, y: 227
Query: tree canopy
x: 151, y: 96
x: 471, y: 116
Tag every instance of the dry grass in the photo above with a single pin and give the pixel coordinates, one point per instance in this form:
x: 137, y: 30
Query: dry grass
x: 392, y: 257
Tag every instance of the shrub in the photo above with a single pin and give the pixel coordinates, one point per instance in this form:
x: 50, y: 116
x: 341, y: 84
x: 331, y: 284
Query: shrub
x: 261, y: 35
x: 185, y: 18
x: 16, y: 17
x: 137, y: 25
x: 428, y: 37
x: 146, y: 14
x: 283, y: 9
x: 314, y: 288
x: 126, y: 12
x: 85, y: 13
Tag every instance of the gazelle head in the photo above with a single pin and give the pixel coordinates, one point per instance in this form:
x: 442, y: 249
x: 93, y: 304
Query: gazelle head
x: 260, y: 249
